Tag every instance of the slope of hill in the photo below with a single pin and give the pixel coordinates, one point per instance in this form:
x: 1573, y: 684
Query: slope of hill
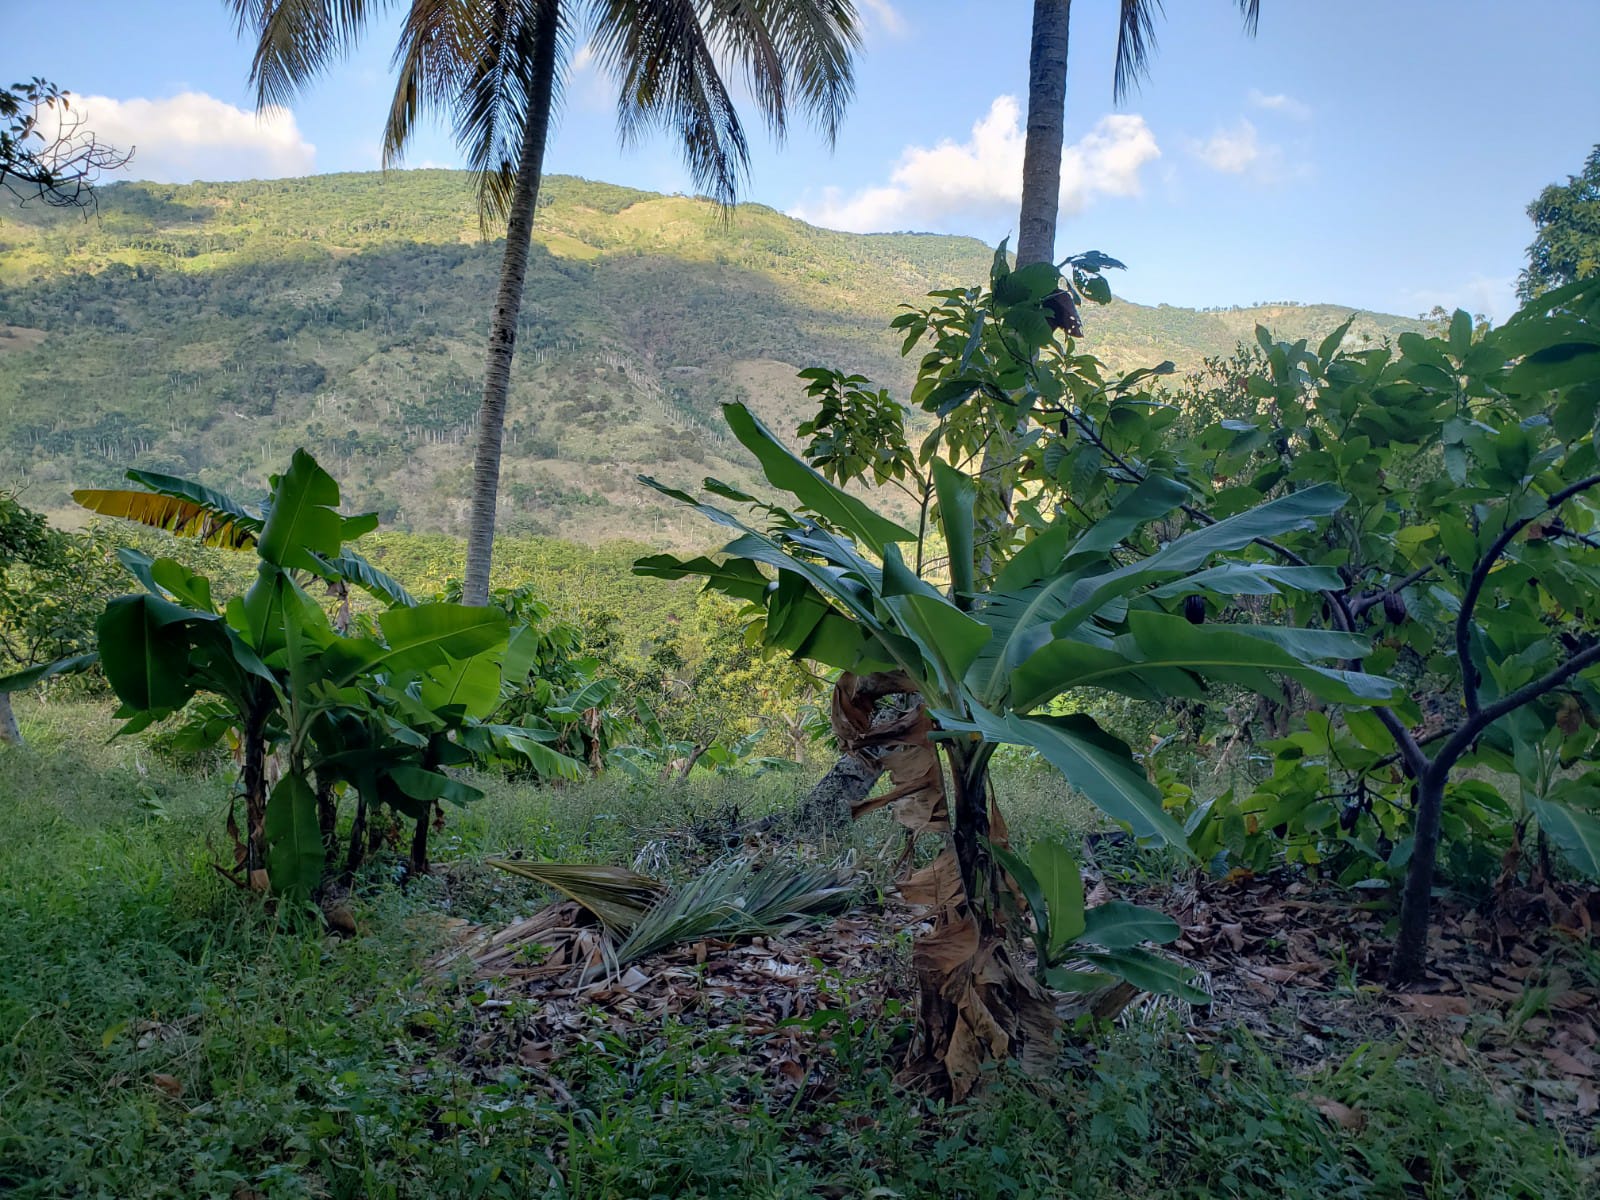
x: 207, y: 329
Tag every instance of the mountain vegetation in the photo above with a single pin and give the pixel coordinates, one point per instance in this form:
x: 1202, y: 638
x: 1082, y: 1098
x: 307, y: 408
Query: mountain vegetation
x: 207, y: 330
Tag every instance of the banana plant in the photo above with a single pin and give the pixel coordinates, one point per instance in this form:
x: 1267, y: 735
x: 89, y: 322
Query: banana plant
x: 1084, y: 949
x: 384, y: 710
x: 990, y: 656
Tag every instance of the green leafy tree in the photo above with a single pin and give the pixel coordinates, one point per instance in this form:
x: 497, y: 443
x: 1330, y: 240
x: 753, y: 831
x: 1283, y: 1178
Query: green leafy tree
x: 1469, y: 551
x: 496, y: 67
x: 52, y: 586
x: 988, y: 656
x: 1566, y: 245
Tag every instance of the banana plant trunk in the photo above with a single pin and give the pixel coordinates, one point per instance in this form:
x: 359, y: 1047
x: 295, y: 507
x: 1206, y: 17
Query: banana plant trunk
x: 10, y: 734
x: 507, y: 310
x: 977, y: 1001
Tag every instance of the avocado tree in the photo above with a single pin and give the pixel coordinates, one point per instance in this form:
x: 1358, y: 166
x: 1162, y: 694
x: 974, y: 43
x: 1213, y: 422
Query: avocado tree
x: 899, y: 611
x: 1471, y: 552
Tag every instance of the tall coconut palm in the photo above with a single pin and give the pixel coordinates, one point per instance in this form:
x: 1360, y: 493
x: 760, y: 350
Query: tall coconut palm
x: 496, y: 67
x: 1041, y: 167
x: 1047, y: 92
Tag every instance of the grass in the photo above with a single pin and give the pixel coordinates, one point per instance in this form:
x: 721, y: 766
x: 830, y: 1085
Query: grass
x: 163, y: 1035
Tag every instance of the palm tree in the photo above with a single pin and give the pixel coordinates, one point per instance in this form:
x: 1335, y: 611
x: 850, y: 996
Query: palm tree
x: 496, y: 67
x: 1041, y: 170
x: 1047, y: 94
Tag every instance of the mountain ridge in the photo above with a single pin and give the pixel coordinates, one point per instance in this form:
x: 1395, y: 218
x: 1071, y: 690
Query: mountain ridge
x: 206, y: 329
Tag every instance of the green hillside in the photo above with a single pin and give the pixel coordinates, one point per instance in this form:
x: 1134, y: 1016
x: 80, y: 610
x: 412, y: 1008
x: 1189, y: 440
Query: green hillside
x: 208, y: 329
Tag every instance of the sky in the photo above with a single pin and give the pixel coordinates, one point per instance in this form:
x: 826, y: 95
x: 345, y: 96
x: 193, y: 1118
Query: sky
x: 1373, y: 153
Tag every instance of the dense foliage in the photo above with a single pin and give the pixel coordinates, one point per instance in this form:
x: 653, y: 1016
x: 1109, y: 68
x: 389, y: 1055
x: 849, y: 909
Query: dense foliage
x: 1566, y: 247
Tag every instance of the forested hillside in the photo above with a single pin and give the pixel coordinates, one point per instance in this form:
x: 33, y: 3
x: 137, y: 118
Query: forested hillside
x: 206, y: 330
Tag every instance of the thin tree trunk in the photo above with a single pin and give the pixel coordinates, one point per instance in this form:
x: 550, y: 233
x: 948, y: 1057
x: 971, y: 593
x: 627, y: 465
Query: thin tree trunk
x: 357, y: 852
x: 507, y: 309
x: 1416, y: 899
x: 327, y: 822
x: 9, y: 733
x: 419, y: 844
x: 254, y: 777
x: 1041, y: 154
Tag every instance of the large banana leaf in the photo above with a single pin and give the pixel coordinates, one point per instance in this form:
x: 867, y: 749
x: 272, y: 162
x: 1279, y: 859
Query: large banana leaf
x: 357, y: 571
x: 294, y: 840
x: 421, y: 637
x: 469, y: 685
x: 1162, y: 648
x: 958, y: 496
x: 302, y: 529
x: 792, y: 474
x: 179, y: 506
x: 156, y: 655
x: 1191, y: 551
x: 1093, y: 761
x: 1575, y: 830
x: 21, y: 680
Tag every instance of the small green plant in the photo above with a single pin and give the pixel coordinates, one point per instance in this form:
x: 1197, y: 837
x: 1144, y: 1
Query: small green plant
x: 1109, y: 938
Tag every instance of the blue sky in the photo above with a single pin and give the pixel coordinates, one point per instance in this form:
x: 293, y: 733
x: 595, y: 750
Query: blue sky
x: 1366, y: 152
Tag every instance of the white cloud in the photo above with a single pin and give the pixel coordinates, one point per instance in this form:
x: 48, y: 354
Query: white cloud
x: 982, y: 176
x: 885, y: 16
x: 196, y: 136
x: 1231, y: 151
x: 1280, y: 102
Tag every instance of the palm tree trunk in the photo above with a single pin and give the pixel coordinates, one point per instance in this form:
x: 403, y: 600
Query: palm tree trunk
x: 1041, y: 202
x: 1041, y: 155
x: 507, y: 309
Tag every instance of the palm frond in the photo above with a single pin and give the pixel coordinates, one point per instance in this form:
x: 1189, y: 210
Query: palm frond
x: 738, y: 898
x: 298, y: 39
x: 485, y: 63
x: 1136, y: 40
x: 1136, y: 45
x: 813, y: 45
x: 661, y: 56
x: 618, y: 898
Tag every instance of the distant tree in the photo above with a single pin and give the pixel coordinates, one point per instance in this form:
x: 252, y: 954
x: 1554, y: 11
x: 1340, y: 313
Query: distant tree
x: 1047, y: 95
x: 496, y: 67
x: 52, y: 587
x: 57, y: 162
x: 1566, y: 246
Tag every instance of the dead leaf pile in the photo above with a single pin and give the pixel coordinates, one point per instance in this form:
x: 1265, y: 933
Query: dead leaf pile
x: 1301, y: 965
x: 778, y: 998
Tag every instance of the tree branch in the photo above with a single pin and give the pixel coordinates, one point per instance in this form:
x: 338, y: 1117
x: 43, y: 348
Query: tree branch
x: 1472, y: 728
x: 1480, y: 575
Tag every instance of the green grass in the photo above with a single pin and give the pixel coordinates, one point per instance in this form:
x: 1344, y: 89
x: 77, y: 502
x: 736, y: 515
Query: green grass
x: 313, y: 1067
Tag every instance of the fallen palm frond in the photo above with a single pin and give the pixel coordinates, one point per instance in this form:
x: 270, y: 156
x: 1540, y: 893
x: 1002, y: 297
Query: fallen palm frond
x: 617, y: 897
x: 735, y: 898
